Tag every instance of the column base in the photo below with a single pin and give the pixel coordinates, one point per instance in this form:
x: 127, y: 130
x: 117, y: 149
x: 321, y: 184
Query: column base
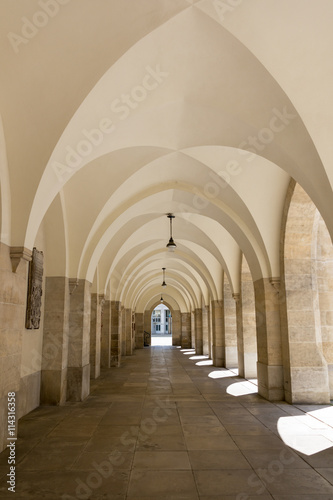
x: 78, y: 382
x: 309, y: 386
x: 218, y: 355
x: 186, y: 343
x: 115, y: 361
x: 270, y: 382
x: 231, y: 357
x: 199, y: 348
x: 53, y: 387
x: 250, y: 365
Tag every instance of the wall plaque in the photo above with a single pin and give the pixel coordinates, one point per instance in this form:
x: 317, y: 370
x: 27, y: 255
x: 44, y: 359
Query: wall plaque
x: 35, y: 284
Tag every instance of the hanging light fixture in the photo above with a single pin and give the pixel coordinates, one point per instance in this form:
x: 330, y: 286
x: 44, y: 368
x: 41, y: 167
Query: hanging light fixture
x: 164, y: 283
x: 171, y: 245
x: 162, y: 300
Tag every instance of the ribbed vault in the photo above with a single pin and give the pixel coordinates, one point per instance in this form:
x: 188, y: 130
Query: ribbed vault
x: 168, y: 106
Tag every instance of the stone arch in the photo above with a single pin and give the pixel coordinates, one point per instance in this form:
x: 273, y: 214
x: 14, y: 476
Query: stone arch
x: 305, y: 367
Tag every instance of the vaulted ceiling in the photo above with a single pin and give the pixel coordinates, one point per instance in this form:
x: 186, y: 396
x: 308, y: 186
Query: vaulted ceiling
x: 115, y: 113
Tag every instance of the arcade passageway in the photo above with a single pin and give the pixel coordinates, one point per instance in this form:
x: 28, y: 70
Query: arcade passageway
x: 171, y: 156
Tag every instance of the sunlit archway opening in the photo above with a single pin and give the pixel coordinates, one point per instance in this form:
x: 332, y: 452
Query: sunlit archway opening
x: 161, y: 326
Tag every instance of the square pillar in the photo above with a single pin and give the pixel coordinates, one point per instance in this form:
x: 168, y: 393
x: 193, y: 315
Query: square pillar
x: 128, y: 331
x: 139, y: 336
x: 147, y: 327
x: 239, y: 326
x: 78, y: 375
x: 246, y: 340
x: 123, y: 331
x: 250, y: 356
x: 176, y: 327
x: 192, y: 329
x: 55, y: 341
x: 218, y: 333
x: 186, y: 330
x: 13, y: 294
x: 269, y: 366
x: 205, y: 330
x: 106, y: 334
x: 115, y: 333
x: 198, y: 331
x: 97, y: 302
x: 230, y: 327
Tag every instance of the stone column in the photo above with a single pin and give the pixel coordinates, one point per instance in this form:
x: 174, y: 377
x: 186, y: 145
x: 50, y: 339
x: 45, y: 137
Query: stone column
x: 128, y: 332
x: 13, y: 293
x: 186, y: 330
x: 270, y: 365
x: 245, y: 342
x: 78, y: 375
x: 139, y: 337
x: 97, y: 302
x: 250, y: 356
x: 239, y: 327
x: 106, y: 335
x: 193, y: 329
x: 218, y: 334
x: 198, y: 332
x: 176, y: 327
x: 147, y: 322
x: 205, y: 330
x: 230, y: 326
x: 55, y: 341
x: 123, y: 331
x: 210, y: 334
x: 115, y: 333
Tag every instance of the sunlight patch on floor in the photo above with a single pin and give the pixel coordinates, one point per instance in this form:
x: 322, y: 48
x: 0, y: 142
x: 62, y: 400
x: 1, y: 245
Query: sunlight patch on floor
x: 207, y: 362
x: 242, y: 388
x: 305, y: 434
x: 223, y: 373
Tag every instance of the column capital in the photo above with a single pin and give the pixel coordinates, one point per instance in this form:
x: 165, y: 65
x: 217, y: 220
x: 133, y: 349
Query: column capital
x: 73, y: 284
x: 275, y: 282
x: 17, y: 254
x: 236, y: 297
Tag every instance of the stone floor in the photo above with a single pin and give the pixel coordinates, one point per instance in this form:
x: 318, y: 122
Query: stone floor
x: 168, y: 425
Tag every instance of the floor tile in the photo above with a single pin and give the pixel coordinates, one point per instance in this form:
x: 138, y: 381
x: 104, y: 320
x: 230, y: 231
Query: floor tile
x: 275, y: 459
x: 161, y: 460
x: 210, y: 443
x: 173, y: 484
x: 204, y: 430
x: 217, y: 459
x: 295, y: 481
x: 258, y: 442
x: 228, y: 482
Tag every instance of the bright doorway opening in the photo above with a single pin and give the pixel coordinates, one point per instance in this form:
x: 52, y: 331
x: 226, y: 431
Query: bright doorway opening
x: 161, y: 326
